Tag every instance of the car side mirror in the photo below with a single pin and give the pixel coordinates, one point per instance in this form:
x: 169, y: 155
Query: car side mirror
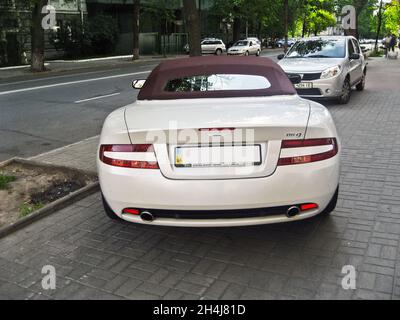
x: 281, y: 56
x: 294, y: 78
x: 138, y: 84
x: 354, y: 56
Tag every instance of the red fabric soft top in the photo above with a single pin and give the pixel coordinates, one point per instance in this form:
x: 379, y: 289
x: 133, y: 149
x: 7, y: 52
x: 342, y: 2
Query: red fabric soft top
x: 208, y: 65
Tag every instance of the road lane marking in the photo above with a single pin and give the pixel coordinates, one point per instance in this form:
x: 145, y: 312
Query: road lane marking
x: 72, y: 82
x: 51, y: 78
x: 98, y: 97
x: 4, y: 84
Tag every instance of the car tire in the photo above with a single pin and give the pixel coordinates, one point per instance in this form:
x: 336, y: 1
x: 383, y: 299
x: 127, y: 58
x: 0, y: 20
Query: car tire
x: 258, y: 53
x: 361, y: 85
x: 108, y: 211
x: 346, y: 92
x: 246, y: 53
x: 332, y: 204
x: 218, y: 52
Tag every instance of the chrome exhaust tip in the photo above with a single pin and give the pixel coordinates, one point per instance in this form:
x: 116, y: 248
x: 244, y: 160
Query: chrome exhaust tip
x: 292, y: 212
x: 146, y: 216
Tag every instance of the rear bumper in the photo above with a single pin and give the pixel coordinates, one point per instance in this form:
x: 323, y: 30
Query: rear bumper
x: 149, y: 189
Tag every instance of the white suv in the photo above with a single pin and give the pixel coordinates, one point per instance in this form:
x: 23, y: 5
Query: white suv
x: 210, y: 46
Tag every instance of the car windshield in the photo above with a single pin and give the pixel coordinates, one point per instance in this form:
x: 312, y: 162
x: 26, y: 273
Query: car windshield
x: 321, y: 48
x: 217, y: 82
x: 241, y: 43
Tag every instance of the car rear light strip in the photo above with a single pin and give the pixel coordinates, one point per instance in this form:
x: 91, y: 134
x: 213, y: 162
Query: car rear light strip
x: 307, y: 143
x: 121, y: 151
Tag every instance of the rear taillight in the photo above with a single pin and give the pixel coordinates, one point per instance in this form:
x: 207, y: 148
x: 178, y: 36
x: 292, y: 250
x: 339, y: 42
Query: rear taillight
x: 140, y: 156
x: 307, y: 151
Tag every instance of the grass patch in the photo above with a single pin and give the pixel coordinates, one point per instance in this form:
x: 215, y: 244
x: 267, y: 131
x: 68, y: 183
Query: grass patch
x: 378, y: 53
x: 5, y: 180
x: 26, y: 209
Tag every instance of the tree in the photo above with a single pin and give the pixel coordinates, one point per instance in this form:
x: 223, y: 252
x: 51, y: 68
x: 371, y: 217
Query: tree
x: 136, y: 17
x: 286, y: 22
x: 359, y: 5
x: 379, y: 25
x: 392, y: 17
x: 230, y: 12
x: 37, y: 36
x: 193, y: 25
x: 320, y: 20
x: 162, y: 11
x: 317, y: 15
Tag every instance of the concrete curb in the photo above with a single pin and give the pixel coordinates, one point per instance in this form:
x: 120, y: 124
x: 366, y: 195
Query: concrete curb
x: 53, y: 206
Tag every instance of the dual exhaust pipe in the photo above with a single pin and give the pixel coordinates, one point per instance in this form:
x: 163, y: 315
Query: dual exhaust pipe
x: 290, y: 213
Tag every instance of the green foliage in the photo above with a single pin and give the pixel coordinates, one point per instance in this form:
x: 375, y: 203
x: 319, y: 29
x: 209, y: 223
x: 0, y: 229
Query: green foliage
x: 319, y: 20
x: 162, y: 11
x: 27, y: 208
x: 5, y: 180
x: 101, y: 32
x: 378, y: 53
x: 392, y: 17
x: 98, y: 37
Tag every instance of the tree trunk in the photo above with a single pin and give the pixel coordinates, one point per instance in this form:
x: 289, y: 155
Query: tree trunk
x: 236, y: 29
x: 136, y: 14
x: 303, y: 30
x: 286, y: 24
x: 193, y: 25
x: 37, y: 37
x: 378, y: 31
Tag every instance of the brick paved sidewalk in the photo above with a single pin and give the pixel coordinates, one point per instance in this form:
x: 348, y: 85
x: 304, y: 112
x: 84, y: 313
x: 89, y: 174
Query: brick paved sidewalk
x: 96, y: 258
x: 80, y: 155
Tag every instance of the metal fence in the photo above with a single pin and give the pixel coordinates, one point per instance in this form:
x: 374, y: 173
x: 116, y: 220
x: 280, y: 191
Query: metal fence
x: 154, y: 43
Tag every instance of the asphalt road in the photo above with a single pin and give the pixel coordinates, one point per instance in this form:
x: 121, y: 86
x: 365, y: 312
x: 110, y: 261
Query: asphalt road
x: 44, y: 113
x: 41, y: 114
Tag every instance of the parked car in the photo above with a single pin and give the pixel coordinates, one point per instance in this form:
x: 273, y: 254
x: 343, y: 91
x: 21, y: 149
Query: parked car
x: 242, y: 148
x: 210, y: 46
x: 281, y: 42
x: 329, y: 67
x: 245, y: 48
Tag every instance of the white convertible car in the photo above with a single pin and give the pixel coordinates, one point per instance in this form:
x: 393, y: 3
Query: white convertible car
x: 218, y: 141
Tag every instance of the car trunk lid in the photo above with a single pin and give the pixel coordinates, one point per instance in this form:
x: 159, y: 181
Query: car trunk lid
x: 188, y: 133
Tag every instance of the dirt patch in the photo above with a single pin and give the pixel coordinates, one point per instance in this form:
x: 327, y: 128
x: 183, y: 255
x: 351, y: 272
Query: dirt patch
x: 32, y: 187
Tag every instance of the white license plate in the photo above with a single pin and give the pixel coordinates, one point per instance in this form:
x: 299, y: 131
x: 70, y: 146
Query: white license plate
x: 304, y: 85
x: 218, y: 156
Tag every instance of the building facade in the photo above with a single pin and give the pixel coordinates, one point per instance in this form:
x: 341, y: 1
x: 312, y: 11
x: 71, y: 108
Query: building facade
x: 15, y: 22
x: 162, y: 27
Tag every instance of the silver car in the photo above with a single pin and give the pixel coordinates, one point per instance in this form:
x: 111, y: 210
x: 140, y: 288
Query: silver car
x: 245, y: 48
x: 328, y: 66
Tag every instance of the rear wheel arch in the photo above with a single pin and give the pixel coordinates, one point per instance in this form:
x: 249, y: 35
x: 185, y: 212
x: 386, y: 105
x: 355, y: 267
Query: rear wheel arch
x: 107, y: 209
x: 332, y: 203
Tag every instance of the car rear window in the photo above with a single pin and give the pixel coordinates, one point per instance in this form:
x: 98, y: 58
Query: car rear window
x: 217, y: 82
x: 216, y: 77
